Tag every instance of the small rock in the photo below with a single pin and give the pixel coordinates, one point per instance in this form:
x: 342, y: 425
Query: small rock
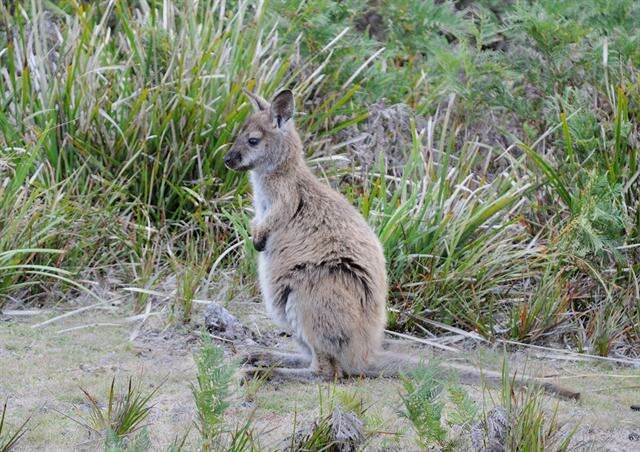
x: 222, y: 323
x: 634, y: 436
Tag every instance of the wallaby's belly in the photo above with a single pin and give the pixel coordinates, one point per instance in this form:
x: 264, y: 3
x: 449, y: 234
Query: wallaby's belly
x: 268, y: 290
x: 276, y: 292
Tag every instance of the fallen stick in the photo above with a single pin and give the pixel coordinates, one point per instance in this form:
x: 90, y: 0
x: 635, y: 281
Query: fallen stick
x: 70, y: 313
x: 423, y: 341
x: 24, y: 312
x: 90, y: 325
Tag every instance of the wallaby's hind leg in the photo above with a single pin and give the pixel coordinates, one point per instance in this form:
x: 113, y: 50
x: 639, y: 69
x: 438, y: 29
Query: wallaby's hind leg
x: 268, y: 358
x: 283, y: 374
x: 320, y: 369
x: 272, y: 358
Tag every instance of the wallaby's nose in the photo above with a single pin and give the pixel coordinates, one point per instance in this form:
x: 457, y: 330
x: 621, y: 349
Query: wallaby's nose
x: 231, y: 159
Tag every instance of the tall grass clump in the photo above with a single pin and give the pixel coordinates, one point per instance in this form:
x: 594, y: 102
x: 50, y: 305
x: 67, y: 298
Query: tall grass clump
x: 449, y: 228
x: 36, y: 231
x: 342, y: 423
x: 529, y: 427
x: 588, y: 210
x: 141, y: 99
x: 120, y: 421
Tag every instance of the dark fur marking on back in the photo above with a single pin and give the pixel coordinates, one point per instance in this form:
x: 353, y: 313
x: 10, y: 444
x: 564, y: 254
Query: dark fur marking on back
x: 343, y: 265
x: 347, y: 266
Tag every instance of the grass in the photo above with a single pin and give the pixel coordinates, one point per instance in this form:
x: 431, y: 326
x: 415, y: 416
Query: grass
x: 529, y: 427
x: 444, y: 415
x: 8, y: 439
x: 448, y: 234
x: 505, y: 190
x: 116, y: 117
x: 35, y: 389
x: 121, y: 422
x: 31, y: 234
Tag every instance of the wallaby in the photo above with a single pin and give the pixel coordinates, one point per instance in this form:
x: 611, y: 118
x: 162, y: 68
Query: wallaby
x: 321, y: 267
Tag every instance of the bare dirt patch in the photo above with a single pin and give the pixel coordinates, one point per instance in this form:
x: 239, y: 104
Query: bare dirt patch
x: 43, y: 368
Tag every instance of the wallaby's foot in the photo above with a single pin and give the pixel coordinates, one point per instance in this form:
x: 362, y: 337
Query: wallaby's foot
x: 279, y: 374
x: 265, y: 358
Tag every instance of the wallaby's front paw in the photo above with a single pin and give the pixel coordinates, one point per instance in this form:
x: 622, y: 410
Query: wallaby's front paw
x: 258, y: 236
x: 260, y: 241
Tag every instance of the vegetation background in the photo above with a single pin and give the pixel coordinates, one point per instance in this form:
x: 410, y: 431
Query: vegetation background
x: 493, y: 145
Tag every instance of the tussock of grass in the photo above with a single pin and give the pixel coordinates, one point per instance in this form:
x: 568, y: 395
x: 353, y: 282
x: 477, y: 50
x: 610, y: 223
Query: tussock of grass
x: 342, y: 423
x: 121, y: 422
x: 529, y: 427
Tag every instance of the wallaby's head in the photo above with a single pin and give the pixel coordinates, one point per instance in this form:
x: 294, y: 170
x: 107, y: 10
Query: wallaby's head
x: 268, y: 138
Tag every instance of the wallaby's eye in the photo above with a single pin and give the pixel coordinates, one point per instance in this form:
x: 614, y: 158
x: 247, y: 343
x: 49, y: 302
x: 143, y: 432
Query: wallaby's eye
x: 254, y: 141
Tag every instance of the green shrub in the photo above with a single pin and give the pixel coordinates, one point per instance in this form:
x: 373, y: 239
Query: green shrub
x: 211, y: 395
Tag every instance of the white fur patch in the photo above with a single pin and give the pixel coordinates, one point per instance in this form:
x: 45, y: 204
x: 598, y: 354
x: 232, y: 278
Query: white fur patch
x: 260, y: 201
x: 267, y: 293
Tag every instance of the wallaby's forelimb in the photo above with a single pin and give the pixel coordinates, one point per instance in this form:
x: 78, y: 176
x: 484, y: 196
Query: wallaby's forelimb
x: 279, y: 212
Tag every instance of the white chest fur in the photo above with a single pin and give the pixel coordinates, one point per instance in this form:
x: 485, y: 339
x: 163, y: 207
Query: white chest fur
x: 260, y: 198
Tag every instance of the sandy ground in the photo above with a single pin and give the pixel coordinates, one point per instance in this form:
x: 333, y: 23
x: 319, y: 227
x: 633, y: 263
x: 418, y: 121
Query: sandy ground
x: 42, y: 371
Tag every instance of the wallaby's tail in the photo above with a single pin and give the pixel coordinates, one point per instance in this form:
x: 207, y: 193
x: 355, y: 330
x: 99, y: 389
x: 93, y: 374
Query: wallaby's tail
x: 471, y: 374
x: 393, y: 364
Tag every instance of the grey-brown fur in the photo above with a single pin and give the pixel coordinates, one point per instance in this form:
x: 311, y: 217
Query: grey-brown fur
x: 321, y: 267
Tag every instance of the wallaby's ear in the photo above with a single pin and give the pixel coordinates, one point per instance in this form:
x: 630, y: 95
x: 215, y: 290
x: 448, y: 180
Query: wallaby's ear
x: 282, y: 107
x: 259, y: 104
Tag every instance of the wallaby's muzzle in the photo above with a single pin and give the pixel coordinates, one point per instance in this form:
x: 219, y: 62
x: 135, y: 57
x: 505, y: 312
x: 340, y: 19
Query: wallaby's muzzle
x: 233, y: 159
